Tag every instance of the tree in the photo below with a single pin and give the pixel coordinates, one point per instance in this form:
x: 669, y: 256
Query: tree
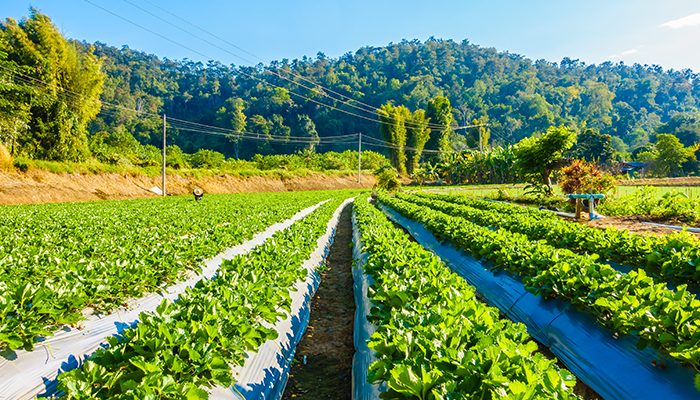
x: 306, y: 130
x: 438, y: 112
x: 68, y: 96
x: 672, y: 154
x: 537, y: 158
x: 684, y: 126
x: 417, y: 133
x: 593, y: 146
x: 478, y: 136
x: 14, y: 110
x: 231, y: 116
x: 393, y: 128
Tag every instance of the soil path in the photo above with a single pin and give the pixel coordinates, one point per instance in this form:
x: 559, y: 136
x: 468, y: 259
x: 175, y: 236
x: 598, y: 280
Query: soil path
x: 327, y: 345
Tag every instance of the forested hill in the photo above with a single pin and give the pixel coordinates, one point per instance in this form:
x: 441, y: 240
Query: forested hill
x: 515, y: 95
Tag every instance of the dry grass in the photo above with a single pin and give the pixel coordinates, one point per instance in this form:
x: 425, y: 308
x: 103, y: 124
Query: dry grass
x: 40, y: 186
x: 6, y: 160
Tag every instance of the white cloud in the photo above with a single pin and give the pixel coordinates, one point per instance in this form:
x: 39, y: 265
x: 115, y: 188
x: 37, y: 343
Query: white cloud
x: 625, y: 53
x: 690, y: 20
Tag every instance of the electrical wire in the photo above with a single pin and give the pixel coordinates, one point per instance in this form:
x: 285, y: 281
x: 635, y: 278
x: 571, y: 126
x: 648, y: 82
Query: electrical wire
x: 390, y: 145
x: 183, y: 125
x: 254, y: 77
x: 367, y: 108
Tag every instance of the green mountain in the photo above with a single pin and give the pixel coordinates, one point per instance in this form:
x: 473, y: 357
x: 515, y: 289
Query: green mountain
x: 516, y: 96
x: 322, y: 99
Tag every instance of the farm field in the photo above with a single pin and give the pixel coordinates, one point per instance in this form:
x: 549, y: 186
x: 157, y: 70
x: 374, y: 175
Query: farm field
x: 651, y: 314
x: 66, y: 264
x: 129, y: 241
x: 491, y: 191
x: 666, y: 205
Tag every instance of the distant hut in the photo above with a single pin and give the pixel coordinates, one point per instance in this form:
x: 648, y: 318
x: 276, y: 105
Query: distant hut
x: 634, y: 167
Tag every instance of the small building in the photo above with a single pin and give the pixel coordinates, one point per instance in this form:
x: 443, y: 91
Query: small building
x: 634, y: 167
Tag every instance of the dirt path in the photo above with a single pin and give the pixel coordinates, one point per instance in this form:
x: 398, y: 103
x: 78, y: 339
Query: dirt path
x: 327, y: 344
x: 634, y: 224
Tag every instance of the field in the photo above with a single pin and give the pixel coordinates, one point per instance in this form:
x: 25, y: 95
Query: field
x: 491, y: 191
x: 667, y: 205
x: 457, y: 298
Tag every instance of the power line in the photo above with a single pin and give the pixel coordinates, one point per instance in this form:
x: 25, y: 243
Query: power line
x: 367, y: 108
x: 179, y: 123
x: 188, y: 126
x: 256, y: 78
x: 183, y: 125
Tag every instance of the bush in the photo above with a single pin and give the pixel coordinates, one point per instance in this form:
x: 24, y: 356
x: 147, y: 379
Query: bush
x: 207, y: 159
x: 387, y: 178
x: 645, y: 201
x: 175, y: 158
x: 21, y: 164
x: 584, y: 176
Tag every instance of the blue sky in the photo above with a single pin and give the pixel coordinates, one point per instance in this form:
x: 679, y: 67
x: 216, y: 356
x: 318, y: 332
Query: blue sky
x: 648, y: 32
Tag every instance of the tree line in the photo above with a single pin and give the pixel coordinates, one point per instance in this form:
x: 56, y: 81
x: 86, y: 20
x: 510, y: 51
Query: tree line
x: 51, y: 110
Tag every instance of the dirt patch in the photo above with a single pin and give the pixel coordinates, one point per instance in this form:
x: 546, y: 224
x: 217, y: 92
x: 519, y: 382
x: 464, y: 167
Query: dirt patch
x: 634, y: 224
x: 323, y: 361
x: 682, y: 181
x: 39, y: 186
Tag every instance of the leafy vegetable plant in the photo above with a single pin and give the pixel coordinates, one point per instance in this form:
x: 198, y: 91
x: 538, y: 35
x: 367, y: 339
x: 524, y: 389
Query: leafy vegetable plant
x: 434, y: 340
x: 186, y: 347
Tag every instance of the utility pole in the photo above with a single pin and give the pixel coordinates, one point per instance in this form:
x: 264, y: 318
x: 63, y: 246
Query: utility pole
x: 359, y: 156
x: 481, y: 145
x: 163, y: 155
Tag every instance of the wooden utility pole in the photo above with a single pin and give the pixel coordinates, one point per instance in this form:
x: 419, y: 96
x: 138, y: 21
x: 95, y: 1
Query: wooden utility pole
x: 481, y: 144
x: 359, y: 156
x: 163, y: 187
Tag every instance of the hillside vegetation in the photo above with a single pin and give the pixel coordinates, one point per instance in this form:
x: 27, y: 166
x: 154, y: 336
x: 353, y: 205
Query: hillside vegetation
x: 50, y: 84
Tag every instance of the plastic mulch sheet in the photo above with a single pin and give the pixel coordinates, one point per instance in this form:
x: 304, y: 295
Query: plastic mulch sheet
x: 364, y: 356
x: 265, y: 373
x: 24, y: 375
x: 608, y: 363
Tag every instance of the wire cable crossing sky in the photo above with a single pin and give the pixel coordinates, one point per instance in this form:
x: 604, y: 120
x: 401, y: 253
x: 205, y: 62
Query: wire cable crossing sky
x: 646, y: 32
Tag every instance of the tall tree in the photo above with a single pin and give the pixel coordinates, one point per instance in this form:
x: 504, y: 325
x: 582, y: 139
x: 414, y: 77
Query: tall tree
x: 478, y: 135
x: 14, y: 110
x: 439, y: 112
x: 685, y: 126
x: 231, y: 116
x: 393, y: 129
x: 306, y: 130
x: 417, y: 135
x: 69, y: 85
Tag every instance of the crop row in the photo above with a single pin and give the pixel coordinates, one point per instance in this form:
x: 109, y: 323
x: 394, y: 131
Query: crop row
x: 57, y: 260
x: 434, y: 340
x: 627, y: 303
x: 187, y: 346
x: 503, y: 208
x: 673, y: 257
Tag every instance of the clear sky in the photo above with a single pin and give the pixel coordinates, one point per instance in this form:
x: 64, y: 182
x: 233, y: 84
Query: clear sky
x: 666, y: 32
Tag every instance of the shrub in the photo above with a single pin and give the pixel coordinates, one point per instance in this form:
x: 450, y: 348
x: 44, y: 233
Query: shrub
x: 584, y: 176
x: 204, y: 158
x: 21, y: 164
x: 387, y: 178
